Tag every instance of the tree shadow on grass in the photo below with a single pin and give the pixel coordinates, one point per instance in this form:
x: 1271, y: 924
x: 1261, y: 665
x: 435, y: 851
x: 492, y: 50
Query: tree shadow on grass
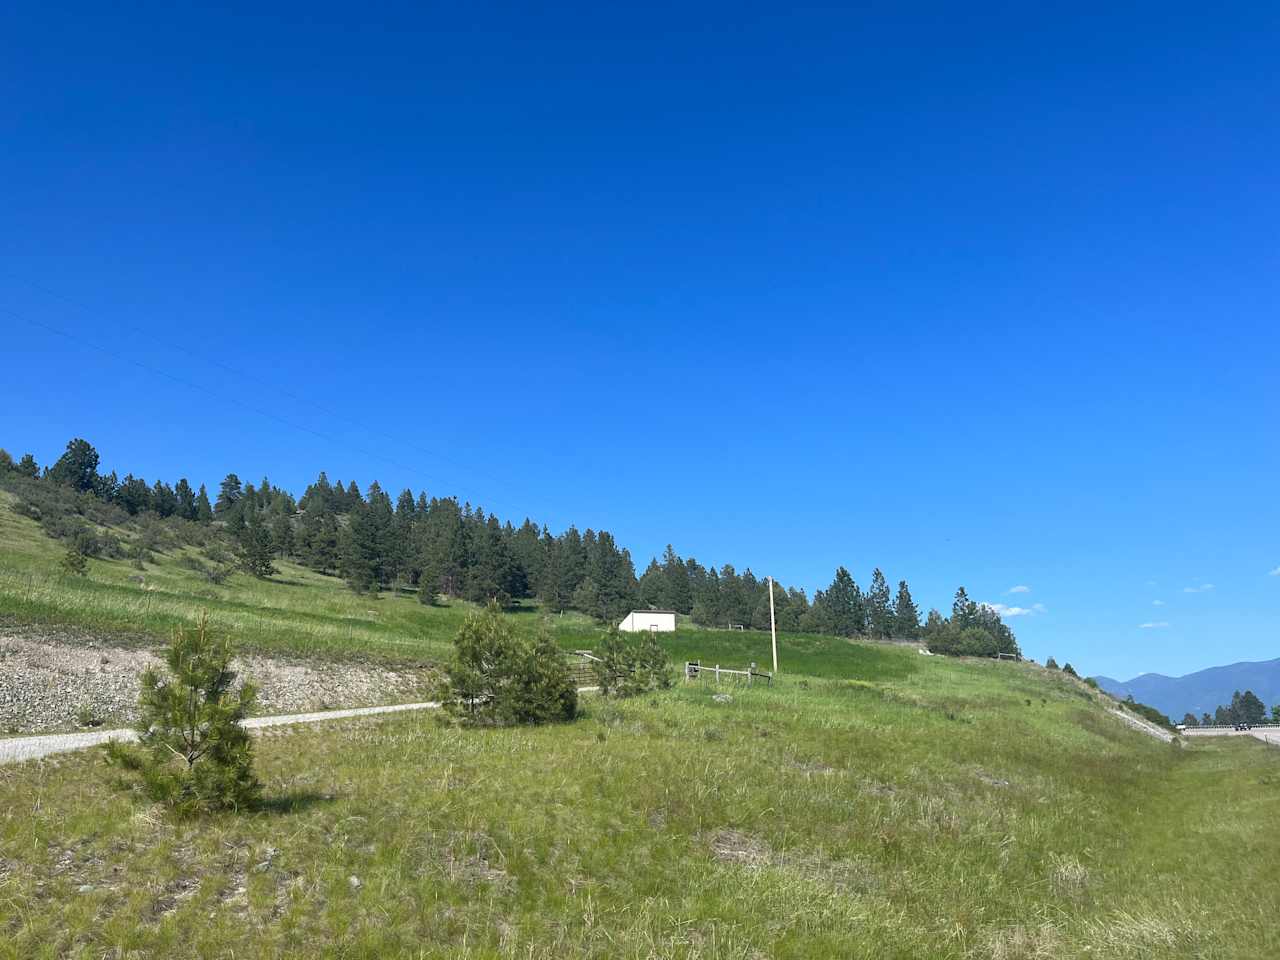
x: 293, y: 801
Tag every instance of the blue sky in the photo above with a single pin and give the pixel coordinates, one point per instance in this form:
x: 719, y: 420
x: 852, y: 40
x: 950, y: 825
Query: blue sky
x: 982, y: 295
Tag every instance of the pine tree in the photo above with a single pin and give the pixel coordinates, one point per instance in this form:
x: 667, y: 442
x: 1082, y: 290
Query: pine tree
x: 186, y: 498
x: 77, y: 467
x: 282, y: 538
x: 964, y: 612
x: 1190, y: 720
x: 204, y: 512
x: 1069, y: 670
x: 906, y: 615
x: 497, y: 677
x: 845, y: 602
x: 164, y: 501
x: 630, y: 664
x: 1051, y: 664
x: 551, y: 587
x: 28, y: 467
x: 679, y: 593
x: 257, y: 551
x: 134, y: 495
x: 359, y: 553
x: 653, y: 586
x: 194, y: 753
x: 229, y: 494
x: 879, y: 612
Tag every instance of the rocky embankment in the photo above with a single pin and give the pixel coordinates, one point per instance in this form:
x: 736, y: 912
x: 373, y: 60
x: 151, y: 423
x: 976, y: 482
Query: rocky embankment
x: 48, y: 683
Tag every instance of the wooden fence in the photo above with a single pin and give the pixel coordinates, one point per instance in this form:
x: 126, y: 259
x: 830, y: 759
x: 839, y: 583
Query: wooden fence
x: 694, y: 670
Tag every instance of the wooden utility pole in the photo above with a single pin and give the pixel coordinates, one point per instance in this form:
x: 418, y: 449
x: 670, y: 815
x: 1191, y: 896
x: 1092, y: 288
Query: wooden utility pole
x: 773, y: 627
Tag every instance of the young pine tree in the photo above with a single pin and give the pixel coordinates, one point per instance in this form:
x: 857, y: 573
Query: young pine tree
x: 257, y: 550
x: 193, y: 754
x: 631, y: 664
x: 498, y: 677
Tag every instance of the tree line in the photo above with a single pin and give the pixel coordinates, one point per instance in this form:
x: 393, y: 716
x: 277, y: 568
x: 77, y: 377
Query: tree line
x: 440, y: 547
x: 1244, y: 707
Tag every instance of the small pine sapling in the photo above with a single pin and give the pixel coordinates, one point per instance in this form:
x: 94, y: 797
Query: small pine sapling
x: 499, y: 678
x: 630, y: 665
x: 194, y: 754
x: 74, y: 563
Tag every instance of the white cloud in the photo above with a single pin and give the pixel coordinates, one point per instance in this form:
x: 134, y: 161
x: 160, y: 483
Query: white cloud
x: 1039, y: 608
x: 1157, y: 603
x: 1153, y: 625
x: 1006, y: 611
x: 1274, y: 573
x: 1020, y: 588
x: 1203, y: 588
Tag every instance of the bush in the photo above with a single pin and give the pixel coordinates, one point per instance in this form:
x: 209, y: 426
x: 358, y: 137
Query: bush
x: 498, y: 678
x: 631, y: 664
x: 969, y: 642
x: 194, y: 755
x: 74, y: 563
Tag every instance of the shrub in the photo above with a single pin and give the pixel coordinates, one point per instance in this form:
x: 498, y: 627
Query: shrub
x: 498, y: 678
x: 631, y: 664
x: 75, y: 563
x: 194, y: 755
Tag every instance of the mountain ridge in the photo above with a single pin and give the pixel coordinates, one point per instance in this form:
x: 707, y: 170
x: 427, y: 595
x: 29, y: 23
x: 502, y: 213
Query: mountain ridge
x: 1202, y: 691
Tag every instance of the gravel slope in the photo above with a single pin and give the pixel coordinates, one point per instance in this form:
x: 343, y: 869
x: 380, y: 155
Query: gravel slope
x: 1150, y: 729
x: 50, y: 683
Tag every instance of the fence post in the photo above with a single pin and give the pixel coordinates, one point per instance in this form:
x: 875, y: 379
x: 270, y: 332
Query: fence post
x: 717, y: 673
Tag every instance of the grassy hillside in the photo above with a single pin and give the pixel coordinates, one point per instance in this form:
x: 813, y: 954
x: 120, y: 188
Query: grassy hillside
x: 304, y: 613
x: 875, y: 803
x: 929, y: 808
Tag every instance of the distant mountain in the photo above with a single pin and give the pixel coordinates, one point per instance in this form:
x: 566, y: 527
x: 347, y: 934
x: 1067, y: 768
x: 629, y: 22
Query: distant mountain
x: 1200, y: 692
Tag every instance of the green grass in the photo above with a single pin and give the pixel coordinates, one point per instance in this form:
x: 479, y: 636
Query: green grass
x: 928, y: 812
x: 873, y: 803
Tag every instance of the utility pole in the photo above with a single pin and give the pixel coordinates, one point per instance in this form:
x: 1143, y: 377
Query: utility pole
x: 773, y: 627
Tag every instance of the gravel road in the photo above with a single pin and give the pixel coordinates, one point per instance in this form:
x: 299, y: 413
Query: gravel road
x: 18, y: 749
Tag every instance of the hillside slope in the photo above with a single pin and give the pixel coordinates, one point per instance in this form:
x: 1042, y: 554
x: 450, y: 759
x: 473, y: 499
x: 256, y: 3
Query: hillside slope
x: 920, y: 807
x: 873, y: 803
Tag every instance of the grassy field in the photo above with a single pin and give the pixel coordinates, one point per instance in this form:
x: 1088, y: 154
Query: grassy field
x: 874, y: 803
x: 927, y: 808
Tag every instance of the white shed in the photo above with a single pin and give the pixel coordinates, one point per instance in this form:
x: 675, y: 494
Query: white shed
x: 645, y: 621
